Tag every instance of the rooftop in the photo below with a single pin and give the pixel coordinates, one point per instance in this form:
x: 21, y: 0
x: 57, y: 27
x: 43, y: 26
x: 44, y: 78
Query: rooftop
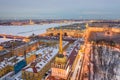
x: 71, y: 52
x: 46, y: 55
x: 2, y: 52
x: 105, y: 24
x: 95, y: 36
x: 10, y: 61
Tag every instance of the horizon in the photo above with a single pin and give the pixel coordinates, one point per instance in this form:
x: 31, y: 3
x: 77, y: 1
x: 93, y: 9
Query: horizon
x: 61, y: 9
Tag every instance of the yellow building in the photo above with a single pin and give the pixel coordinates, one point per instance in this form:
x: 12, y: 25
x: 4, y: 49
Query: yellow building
x: 30, y: 46
x: 8, y: 65
x: 66, y: 32
x: 102, y: 32
x: 63, y: 65
x: 5, y: 69
x: 5, y: 54
x: 60, y: 67
x: 30, y: 58
x: 37, y: 69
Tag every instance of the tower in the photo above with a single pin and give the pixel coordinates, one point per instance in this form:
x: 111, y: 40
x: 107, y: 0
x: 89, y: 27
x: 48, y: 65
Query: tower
x: 60, y: 59
x: 31, y: 22
x: 60, y: 68
x: 63, y: 66
x: 60, y: 43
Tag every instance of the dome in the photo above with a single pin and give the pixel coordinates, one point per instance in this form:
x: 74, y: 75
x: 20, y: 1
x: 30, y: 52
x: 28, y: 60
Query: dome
x: 60, y: 59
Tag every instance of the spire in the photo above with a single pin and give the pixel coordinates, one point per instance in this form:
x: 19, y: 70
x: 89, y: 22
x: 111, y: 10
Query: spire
x: 60, y: 59
x: 60, y: 42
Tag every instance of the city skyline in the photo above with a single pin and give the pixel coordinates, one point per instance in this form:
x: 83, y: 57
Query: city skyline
x: 62, y: 9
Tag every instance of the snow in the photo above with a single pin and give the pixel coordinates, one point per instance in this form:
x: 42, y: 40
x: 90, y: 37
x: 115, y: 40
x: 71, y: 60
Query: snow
x: 43, y: 62
x: 27, y: 30
x: 5, y: 76
x: 7, y: 61
x: 107, y: 62
x: 47, y: 54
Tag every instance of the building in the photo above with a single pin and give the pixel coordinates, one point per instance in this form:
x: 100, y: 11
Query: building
x: 8, y: 65
x: 99, y: 32
x: 4, y: 69
x: 26, y: 48
x: 37, y: 68
x: 74, y: 30
x: 5, y: 54
x: 60, y: 67
x: 63, y: 65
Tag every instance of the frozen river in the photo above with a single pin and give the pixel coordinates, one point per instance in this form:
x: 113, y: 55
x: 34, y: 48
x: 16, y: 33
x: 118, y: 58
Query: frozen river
x: 27, y: 30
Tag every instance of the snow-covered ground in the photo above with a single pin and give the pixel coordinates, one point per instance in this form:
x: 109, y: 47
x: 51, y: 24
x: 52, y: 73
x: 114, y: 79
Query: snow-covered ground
x: 106, y: 61
x: 27, y: 30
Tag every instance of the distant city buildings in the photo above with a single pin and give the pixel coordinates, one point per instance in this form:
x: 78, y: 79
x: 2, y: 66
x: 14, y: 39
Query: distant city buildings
x: 74, y: 30
x: 84, y: 51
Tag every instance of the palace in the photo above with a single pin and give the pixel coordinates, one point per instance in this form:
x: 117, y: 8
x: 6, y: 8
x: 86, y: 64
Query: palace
x: 103, y: 33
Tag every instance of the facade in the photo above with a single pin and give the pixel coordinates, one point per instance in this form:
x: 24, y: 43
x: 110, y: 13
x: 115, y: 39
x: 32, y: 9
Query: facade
x: 36, y: 69
x: 6, y: 69
x: 8, y: 65
x: 5, y: 54
x: 63, y: 66
x: 30, y: 46
x: 66, y: 32
x: 19, y: 50
x: 60, y: 67
x: 30, y: 58
x: 34, y: 74
x: 103, y: 33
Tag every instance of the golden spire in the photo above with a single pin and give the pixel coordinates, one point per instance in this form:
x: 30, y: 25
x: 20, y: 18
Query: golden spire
x: 60, y: 59
x: 60, y: 43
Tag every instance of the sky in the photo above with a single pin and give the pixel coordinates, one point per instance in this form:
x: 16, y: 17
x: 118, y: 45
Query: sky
x: 59, y: 9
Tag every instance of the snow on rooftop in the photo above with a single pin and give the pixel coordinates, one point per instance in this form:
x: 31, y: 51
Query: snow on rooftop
x: 47, y: 54
x: 27, y: 30
x: 44, y: 59
x: 20, y: 58
x: 7, y: 61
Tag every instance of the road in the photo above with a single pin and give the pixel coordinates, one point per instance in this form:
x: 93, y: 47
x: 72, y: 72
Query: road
x: 76, y: 72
